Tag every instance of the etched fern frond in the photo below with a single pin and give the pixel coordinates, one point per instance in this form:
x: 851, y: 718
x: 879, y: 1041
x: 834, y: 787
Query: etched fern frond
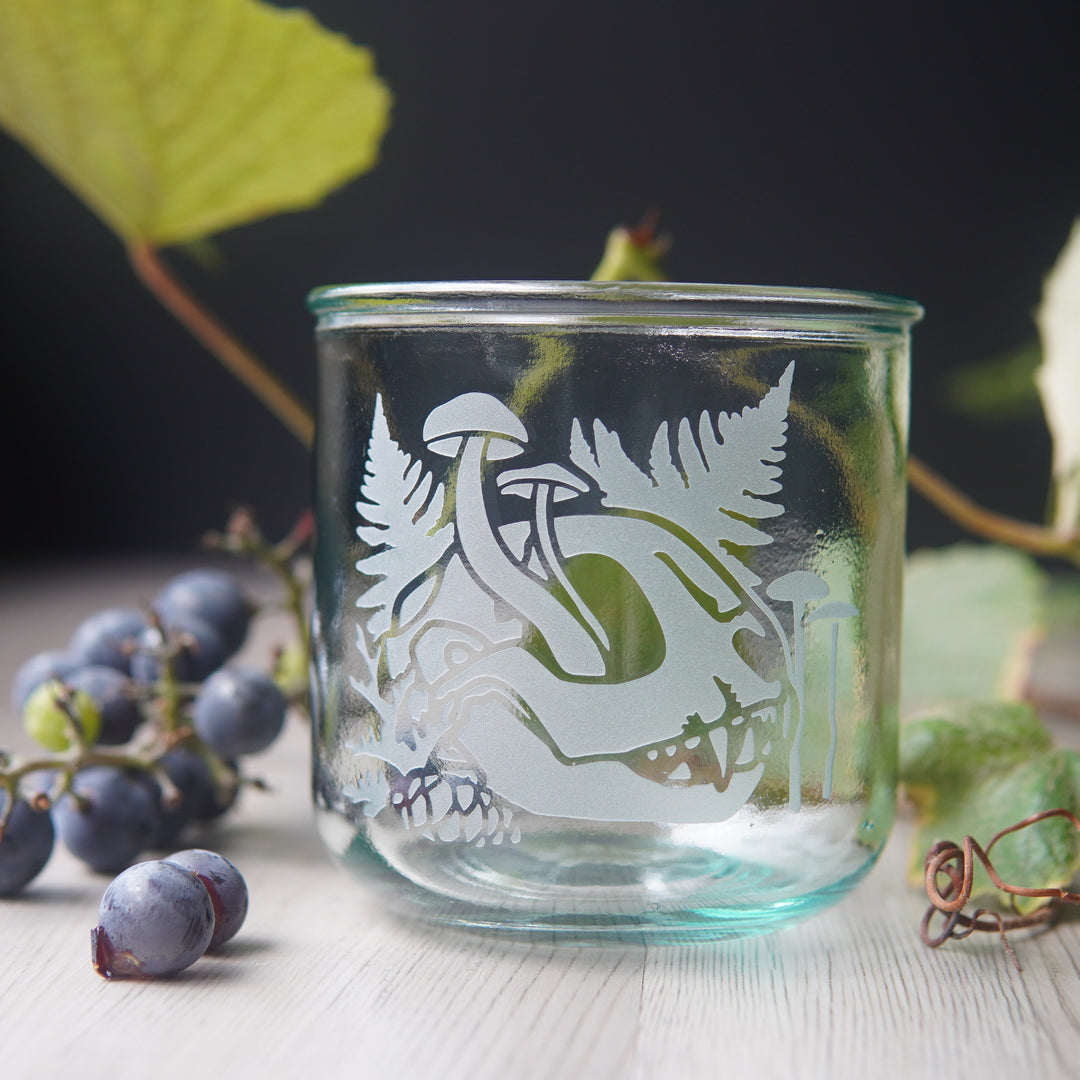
x: 714, y: 482
x: 621, y: 481
x: 742, y: 464
x: 399, y: 515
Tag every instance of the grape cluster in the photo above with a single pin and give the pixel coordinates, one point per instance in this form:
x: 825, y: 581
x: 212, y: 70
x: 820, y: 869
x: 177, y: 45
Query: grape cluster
x: 159, y: 917
x: 144, y: 718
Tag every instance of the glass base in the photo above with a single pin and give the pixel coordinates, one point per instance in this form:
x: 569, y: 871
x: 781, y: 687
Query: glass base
x: 580, y: 888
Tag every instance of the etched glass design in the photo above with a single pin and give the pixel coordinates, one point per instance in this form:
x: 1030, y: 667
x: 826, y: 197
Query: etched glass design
x: 606, y: 627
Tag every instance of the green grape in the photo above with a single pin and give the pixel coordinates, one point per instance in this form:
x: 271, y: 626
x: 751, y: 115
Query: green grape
x: 48, y: 724
x: 291, y: 671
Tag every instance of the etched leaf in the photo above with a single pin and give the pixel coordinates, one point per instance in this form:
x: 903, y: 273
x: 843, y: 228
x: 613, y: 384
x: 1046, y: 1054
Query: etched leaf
x: 661, y: 465
x: 742, y: 465
x: 1058, y: 378
x: 176, y: 120
x: 399, y: 522
x: 713, y: 482
x: 622, y: 482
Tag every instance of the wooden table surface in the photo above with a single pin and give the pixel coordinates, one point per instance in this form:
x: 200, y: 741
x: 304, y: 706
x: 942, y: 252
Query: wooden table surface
x: 323, y: 980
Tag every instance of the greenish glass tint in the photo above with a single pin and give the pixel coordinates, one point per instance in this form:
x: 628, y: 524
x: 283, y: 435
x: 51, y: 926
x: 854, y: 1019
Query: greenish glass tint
x: 607, y: 600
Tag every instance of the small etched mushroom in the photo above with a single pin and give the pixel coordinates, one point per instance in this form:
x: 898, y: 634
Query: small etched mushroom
x: 798, y: 588
x: 476, y: 428
x: 835, y: 611
x: 547, y: 484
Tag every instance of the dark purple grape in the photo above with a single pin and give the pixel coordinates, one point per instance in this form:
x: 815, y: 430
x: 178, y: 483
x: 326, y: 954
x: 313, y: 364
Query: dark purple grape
x: 111, y: 693
x: 204, y: 654
x: 200, y: 799
x: 105, y: 638
x: 213, y: 596
x: 239, y: 710
x: 40, y: 668
x: 25, y: 846
x: 226, y: 887
x: 156, y: 918
x: 119, y: 818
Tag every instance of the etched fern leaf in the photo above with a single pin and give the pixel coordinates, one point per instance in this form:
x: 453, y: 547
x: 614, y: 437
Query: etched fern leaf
x: 742, y: 465
x: 400, y: 514
x: 714, y: 482
x: 621, y: 481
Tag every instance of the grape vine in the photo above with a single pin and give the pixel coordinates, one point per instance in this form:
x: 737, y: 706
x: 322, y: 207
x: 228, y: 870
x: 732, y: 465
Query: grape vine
x: 143, y: 718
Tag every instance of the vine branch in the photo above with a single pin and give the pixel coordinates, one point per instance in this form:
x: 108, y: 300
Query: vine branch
x: 153, y: 273
x: 967, y: 513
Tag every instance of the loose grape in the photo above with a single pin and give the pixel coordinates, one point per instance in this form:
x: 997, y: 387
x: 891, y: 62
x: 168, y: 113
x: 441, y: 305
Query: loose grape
x: 48, y: 723
x: 227, y: 889
x: 112, y: 816
x: 156, y: 918
x: 213, y: 596
x: 25, y: 846
x: 105, y: 638
x: 111, y: 693
x: 239, y: 710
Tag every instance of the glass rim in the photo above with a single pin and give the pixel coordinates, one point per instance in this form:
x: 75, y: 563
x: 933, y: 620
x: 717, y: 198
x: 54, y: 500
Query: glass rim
x: 606, y: 301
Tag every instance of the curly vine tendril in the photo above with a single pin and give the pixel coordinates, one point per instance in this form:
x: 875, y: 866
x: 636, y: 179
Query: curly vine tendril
x: 957, y: 865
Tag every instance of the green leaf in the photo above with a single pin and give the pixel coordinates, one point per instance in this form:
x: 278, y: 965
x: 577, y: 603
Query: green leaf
x: 176, y: 120
x: 971, y: 616
x: 1000, y: 389
x: 980, y: 770
x: 1058, y: 378
x: 632, y: 255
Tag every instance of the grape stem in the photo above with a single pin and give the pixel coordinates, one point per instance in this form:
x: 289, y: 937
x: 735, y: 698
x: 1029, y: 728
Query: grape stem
x: 235, y: 357
x: 242, y: 536
x: 67, y: 767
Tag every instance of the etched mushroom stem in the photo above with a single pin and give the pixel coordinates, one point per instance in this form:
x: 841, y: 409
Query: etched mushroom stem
x: 571, y: 645
x: 798, y: 588
x: 545, y: 532
x: 833, y: 612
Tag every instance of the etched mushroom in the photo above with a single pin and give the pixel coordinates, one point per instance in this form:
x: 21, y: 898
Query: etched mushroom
x: 547, y: 484
x: 835, y: 611
x: 476, y: 428
x: 798, y: 588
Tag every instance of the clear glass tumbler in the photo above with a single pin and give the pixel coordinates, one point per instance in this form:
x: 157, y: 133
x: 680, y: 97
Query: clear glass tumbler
x: 608, y: 583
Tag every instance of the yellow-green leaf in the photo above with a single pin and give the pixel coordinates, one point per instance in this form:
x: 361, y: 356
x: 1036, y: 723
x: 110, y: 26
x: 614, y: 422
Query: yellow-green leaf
x: 174, y: 120
x: 632, y: 255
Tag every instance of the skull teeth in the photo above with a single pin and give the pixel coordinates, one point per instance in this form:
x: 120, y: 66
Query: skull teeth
x: 709, y: 754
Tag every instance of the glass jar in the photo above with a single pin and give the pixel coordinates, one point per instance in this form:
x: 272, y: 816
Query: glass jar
x: 608, y: 590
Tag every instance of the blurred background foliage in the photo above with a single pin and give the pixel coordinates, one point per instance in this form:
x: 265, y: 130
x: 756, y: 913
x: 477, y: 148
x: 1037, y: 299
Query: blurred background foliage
x: 928, y: 152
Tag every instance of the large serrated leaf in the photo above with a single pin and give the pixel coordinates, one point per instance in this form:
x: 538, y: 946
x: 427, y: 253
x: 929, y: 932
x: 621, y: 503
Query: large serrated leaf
x: 1058, y: 378
x: 971, y: 615
x: 981, y: 769
x: 176, y: 120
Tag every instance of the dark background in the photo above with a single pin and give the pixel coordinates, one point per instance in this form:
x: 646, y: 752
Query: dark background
x: 928, y: 150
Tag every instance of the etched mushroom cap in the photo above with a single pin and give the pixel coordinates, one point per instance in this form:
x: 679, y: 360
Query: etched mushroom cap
x: 836, y: 610
x: 798, y: 587
x: 524, y: 482
x: 470, y: 415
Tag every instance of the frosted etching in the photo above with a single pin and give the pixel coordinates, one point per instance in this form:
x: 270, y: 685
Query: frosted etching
x: 577, y: 638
